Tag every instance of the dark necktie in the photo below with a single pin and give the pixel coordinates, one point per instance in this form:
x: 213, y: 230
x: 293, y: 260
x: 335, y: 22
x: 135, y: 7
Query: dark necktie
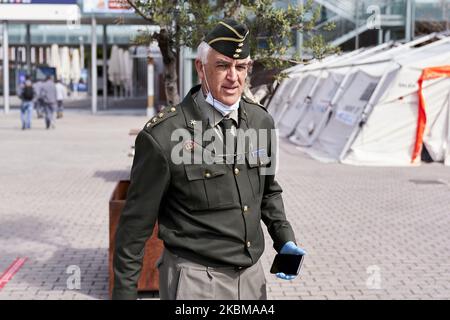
x: 226, y: 124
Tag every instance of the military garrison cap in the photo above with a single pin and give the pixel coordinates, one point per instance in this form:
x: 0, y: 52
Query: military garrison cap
x: 230, y: 39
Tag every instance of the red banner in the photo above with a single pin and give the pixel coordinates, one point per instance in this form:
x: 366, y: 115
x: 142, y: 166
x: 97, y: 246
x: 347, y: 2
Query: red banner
x: 11, y: 271
x: 427, y: 74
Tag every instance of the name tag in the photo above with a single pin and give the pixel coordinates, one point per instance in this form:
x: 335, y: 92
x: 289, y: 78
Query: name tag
x: 259, y: 153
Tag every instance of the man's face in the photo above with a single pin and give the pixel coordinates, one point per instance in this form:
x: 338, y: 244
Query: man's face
x: 225, y: 77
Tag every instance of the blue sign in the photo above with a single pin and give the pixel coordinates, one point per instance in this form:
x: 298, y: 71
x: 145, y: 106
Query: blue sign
x: 82, y: 85
x: 43, y: 72
x: 21, y: 78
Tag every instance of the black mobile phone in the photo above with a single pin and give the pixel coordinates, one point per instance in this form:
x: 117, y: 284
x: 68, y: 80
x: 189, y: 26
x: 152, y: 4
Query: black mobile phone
x: 289, y: 264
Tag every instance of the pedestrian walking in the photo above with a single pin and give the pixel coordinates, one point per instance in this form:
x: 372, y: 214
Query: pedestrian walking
x: 61, y: 95
x: 47, y: 96
x: 27, y: 95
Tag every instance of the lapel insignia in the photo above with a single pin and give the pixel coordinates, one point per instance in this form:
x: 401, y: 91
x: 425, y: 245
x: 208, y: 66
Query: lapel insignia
x: 259, y: 153
x: 189, y: 145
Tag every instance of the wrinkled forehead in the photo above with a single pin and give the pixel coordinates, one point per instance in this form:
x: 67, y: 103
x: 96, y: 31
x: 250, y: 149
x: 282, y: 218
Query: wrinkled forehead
x: 215, y: 56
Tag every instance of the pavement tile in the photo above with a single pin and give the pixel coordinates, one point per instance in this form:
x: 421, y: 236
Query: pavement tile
x: 370, y: 232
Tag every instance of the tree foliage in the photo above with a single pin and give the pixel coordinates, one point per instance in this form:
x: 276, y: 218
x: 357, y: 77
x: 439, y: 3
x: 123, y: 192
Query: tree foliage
x: 273, y: 30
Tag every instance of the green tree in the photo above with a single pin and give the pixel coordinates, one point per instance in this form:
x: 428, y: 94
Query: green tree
x: 273, y: 30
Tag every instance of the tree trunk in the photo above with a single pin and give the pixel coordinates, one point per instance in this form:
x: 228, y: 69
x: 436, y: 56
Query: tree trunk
x: 170, y: 68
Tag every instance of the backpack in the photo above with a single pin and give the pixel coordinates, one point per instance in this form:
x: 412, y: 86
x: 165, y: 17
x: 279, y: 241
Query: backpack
x: 43, y: 98
x: 28, y: 93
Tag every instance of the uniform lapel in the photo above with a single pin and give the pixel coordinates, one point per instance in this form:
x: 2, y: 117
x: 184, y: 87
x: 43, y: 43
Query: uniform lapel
x: 244, y: 125
x: 196, y: 122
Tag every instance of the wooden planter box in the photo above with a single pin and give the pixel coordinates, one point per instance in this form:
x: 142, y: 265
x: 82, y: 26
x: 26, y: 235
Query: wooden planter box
x: 149, y: 279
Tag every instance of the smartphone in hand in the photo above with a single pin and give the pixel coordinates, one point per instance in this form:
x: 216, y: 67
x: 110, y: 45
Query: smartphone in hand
x: 289, y: 264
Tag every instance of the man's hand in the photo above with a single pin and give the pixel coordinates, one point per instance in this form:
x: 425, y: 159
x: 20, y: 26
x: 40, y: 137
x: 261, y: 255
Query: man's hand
x: 290, y: 248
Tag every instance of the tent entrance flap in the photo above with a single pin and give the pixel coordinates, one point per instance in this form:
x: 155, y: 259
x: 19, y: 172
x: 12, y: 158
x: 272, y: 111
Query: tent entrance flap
x: 346, y: 115
x: 296, y: 106
x: 282, y: 95
x: 317, y: 111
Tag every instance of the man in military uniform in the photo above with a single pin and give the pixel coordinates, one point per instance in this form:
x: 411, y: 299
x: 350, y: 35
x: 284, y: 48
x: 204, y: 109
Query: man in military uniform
x: 209, y: 214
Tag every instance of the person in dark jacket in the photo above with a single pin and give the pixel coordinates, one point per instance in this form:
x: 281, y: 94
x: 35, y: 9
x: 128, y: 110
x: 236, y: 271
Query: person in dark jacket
x: 27, y: 95
x: 208, y: 201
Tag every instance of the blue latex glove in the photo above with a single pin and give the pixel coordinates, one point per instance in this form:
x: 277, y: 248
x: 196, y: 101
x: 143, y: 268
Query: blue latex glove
x: 290, y: 248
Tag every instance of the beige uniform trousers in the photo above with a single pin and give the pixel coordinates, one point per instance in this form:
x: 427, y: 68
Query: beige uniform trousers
x: 180, y: 279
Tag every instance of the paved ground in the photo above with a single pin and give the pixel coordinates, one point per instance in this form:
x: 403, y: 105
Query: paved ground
x: 370, y: 233
x: 84, y: 103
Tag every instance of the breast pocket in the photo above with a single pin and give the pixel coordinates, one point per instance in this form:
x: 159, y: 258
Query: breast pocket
x: 256, y: 170
x: 209, y: 186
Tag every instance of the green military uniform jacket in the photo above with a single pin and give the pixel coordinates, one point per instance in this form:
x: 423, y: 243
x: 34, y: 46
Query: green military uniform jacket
x: 207, y: 213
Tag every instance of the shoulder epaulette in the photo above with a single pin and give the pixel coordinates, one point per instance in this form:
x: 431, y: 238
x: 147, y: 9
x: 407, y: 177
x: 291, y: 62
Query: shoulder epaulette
x: 161, y: 116
x: 248, y: 100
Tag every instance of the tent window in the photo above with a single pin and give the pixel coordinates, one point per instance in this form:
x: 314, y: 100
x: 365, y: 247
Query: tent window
x: 368, y: 92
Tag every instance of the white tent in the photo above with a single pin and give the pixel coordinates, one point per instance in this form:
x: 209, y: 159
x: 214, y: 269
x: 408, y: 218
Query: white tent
x: 374, y: 121
x: 336, y: 79
x: 282, y: 93
x: 286, y: 84
x: 313, y: 80
x: 287, y: 88
x: 294, y: 105
x: 315, y: 110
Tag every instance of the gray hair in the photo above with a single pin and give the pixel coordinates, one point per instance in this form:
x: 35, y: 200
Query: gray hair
x: 202, y: 52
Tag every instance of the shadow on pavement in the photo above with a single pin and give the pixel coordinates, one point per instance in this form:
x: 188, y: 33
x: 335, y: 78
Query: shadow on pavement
x: 47, y: 272
x: 112, y: 175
